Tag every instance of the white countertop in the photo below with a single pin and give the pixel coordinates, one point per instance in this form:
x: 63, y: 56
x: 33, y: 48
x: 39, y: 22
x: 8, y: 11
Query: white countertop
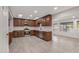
x: 44, y: 28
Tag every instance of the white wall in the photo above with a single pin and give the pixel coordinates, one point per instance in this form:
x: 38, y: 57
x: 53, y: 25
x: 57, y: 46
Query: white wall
x: 4, y: 47
x: 67, y: 14
x: 11, y: 21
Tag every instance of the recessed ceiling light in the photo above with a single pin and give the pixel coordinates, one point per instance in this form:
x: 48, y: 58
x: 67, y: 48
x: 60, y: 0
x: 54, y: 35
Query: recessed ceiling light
x: 20, y: 15
x: 73, y: 17
x: 55, y: 8
x: 30, y: 15
x: 35, y: 11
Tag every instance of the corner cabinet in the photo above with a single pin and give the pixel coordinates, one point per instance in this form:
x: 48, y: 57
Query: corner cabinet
x: 45, y: 21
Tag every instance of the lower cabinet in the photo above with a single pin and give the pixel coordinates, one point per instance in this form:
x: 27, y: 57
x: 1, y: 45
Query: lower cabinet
x: 47, y: 36
x: 18, y: 33
x: 32, y: 33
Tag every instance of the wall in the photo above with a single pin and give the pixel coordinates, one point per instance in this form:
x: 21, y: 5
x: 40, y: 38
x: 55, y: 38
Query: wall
x: 11, y: 21
x: 4, y: 47
x: 67, y: 14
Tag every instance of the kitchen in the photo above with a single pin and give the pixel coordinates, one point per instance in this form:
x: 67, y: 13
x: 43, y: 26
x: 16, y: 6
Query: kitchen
x: 40, y: 28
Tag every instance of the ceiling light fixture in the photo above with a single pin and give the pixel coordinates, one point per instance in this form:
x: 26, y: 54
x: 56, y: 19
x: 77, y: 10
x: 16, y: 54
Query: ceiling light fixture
x: 20, y: 15
x: 35, y: 11
x: 30, y: 15
x: 55, y: 8
x: 73, y: 17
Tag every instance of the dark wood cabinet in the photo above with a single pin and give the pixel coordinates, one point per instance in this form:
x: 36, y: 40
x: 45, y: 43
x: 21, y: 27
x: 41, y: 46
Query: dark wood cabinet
x: 48, y: 20
x: 10, y: 37
x: 37, y: 22
x: 34, y: 33
x: 32, y: 23
x: 19, y: 22
x: 26, y: 22
x: 15, y: 22
x: 47, y: 36
x: 18, y: 33
x: 45, y: 21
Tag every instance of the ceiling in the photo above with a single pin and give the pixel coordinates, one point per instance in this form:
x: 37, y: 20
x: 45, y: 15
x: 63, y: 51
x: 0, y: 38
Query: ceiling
x: 33, y: 12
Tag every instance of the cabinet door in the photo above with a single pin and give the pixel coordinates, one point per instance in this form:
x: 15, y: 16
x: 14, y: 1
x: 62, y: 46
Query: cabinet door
x: 29, y: 22
x: 38, y: 22
x: 47, y: 36
x: 43, y: 22
x: 22, y: 21
x: 34, y: 22
x: 18, y: 33
x: 48, y: 20
x: 16, y: 22
x: 26, y: 22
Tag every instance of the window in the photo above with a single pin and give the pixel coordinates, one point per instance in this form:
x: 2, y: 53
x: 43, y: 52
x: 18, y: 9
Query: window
x: 78, y: 25
x: 66, y: 26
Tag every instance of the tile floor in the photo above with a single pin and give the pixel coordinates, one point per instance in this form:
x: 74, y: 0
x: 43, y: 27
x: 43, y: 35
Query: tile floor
x: 32, y: 44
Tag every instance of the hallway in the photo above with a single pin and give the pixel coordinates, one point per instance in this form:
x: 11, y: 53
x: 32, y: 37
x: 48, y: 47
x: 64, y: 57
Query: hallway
x: 32, y: 44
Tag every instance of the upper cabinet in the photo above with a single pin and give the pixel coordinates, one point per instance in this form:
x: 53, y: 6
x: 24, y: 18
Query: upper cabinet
x: 44, y: 21
x: 18, y: 22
